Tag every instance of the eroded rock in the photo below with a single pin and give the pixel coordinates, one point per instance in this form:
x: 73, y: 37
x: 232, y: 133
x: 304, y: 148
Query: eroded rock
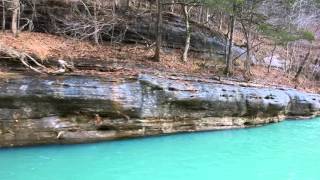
x: 64, y: 109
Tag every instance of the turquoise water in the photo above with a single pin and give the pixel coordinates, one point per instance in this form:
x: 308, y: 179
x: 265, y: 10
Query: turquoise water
x: 285, y: 151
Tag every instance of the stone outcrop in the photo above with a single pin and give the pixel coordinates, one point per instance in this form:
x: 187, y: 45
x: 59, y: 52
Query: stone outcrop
x: 78, y: 109
x: 142, y: 28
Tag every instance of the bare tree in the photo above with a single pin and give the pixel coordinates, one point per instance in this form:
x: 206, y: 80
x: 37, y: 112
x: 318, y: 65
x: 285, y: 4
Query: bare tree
x: 96, y: 29
x: 231, y: 26
x: 186, y: 7
x: 122, y: 3
x: 302, y: 65
x: 158, y: 31
x: 15, y: 17
x: 272, y: 55
x: 186, y: 10
x: 246, y: 19
x: 172, y: 6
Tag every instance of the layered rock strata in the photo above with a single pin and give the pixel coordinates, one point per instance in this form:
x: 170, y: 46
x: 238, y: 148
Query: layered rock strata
x: 79, y: 109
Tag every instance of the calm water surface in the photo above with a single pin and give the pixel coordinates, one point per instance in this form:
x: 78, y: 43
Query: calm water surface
x: 285, y: 151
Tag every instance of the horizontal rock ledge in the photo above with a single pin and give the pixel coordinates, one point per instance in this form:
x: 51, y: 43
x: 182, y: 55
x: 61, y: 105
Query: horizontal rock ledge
x: 79, y: 109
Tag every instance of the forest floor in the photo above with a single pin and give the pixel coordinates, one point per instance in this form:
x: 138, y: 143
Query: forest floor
x: 133, y: 59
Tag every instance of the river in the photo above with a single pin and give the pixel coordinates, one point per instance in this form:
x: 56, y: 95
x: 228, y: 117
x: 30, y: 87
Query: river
x: 285, y: 151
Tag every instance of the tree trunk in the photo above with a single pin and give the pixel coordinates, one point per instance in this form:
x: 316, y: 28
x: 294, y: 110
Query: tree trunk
x: 271, y: 59
x: 96, y: 30
x: 150, y: 6
x: 15, y: 17
x: 3, y: 16
x: 139, y: 4
x: 248, y: 56
x: 229, y: 63
x: 122, y: 3
x: 207, y: 15
x: 127, y: 4
x: 172, y: 6
x: 114, y: 7
x: 247, y: 34
x: 157, y: 56
x: 302, y: 65
x: 200, y: 15
x: 221, y: 21
x: 293, y: 55
x: 116, y: 3
x: 287, y: 57
x: 186, y: 10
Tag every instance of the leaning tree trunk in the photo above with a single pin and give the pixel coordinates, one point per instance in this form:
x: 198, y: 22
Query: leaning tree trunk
x: 248, y: 56
x: 158, y: 32
x: 188, y: 33
x: 15, y: 17
x: 302, y: 65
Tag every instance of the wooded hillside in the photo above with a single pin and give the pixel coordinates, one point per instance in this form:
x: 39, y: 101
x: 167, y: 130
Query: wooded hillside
x: 258, y: 41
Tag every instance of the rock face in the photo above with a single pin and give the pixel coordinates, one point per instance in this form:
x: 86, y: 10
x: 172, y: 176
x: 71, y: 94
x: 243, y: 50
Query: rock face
x: 77, y: 109
x: 203, y: 39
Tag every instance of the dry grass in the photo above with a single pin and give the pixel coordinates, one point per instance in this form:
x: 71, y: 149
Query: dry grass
x: 138, y: 58
x: 279, y: 78
x: 46, y: 46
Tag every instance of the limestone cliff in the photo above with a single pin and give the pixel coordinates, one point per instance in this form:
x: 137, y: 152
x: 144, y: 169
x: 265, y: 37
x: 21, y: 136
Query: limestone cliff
x: 78, y: 109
